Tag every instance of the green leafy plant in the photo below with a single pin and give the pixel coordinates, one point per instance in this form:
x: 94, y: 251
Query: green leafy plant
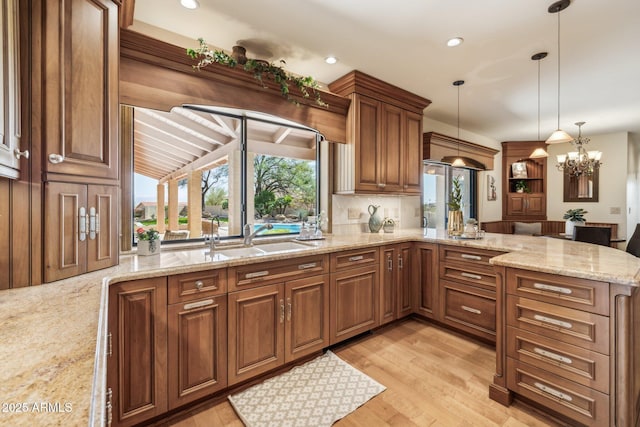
x: 575, y: 215
x: 150, y: 234
x: 521, y: 185
x: 260, y: 70
x: 472, y: 221
x: 455, y: 197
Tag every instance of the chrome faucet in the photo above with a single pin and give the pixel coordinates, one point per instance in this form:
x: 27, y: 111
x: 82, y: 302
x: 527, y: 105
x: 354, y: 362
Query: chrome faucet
x: 248, y: 235
x: 212, y: 238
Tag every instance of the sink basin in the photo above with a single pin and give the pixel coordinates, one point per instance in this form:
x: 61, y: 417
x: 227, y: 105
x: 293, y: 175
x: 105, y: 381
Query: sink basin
x: 260, y: 249
x: 282, y: 246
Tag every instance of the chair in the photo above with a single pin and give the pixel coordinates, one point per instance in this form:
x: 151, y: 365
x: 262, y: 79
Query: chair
x: 633, y: 247
x: 595, y: 235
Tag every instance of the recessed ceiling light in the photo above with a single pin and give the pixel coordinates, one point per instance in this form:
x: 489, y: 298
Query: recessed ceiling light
x: 330, y: 59
x: 456, y: 41
x: 190, y: 4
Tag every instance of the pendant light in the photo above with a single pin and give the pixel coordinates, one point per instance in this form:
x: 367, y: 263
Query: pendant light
x: 458, y: 162
x: 559, y: 135
x: 539, y: 152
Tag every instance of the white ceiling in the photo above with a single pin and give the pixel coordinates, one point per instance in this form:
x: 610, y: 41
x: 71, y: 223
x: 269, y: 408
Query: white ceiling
x: 403, y: 42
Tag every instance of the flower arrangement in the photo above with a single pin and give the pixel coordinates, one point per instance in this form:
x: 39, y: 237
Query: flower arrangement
x: 259, y: 69
x: 455, y: 198
x: 521, y: 186
x: 575, y: 215
x: 150, y: 234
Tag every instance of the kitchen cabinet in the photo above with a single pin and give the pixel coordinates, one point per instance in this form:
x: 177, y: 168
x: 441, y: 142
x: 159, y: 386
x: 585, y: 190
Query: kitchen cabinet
x: 384, y: 135
x: 561, y: 349
x: 197, y: 336
x: 280, y: 313
x: 425, y: 280
x: 354, y: 306
x: 531, y: 203
x: 80, y: 229
x: 80, y: 90
x: 467, y: 290
x: 395, y: 282
x: 137, y: 350
x: 10, y: 106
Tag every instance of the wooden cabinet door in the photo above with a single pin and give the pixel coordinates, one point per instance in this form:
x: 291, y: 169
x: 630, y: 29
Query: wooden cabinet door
x: 102, y: 238
x: 9, y: 89
x: 404, y: 269
x: 536, y: 204
x: 367, y: 135
x: 197, y: 349
x: 391, y: 148
x: 354, y: 298
x: 307, y: 316
x: 256, y: 331
x: 426, y: 280
x: 65, y: 247
x: 516, y: 204
x: 136, y: 367
x: 81, y: 44
x: 412, y: 156
x: 388, y: 284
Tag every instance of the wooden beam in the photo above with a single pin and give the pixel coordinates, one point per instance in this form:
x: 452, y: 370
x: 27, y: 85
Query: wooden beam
x: 281, y: 134
x: 203, y: 162
x: 178, y: 133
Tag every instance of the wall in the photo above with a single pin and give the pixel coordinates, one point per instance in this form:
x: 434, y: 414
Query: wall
x: 633, y: 183
x: 613, y: 176
x: 487, y: 210
x: 350, y: 212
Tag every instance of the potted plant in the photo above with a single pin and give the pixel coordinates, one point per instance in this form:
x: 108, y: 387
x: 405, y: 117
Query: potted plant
x: 455, y: 225
x: 388, y: 224
x: 148, y: 243
x: 521, y: 186
x: 573, y: 217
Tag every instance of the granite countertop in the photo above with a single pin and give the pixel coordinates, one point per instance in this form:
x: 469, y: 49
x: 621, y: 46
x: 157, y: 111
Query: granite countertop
x: 53, y: 336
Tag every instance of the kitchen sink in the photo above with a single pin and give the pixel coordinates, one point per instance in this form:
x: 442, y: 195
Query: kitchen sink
x: 260, y: 249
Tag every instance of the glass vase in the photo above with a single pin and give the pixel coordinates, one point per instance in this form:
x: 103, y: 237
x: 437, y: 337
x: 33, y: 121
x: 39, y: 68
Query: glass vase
x: 455, y: 225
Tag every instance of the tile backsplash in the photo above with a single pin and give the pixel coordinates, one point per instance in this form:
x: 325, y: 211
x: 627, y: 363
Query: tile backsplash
x: 352, y: 210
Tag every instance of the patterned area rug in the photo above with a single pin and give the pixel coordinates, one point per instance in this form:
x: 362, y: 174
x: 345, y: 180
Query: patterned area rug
x: 315, y: 394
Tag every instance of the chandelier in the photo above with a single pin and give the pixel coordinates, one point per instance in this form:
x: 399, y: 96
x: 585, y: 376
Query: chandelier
x: 581, y: 162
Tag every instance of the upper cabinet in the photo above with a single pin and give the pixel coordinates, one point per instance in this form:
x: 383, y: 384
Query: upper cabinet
x: 523, y: 181
x: 10, y: 153
x: 384, y: 135
x: 80, y: 89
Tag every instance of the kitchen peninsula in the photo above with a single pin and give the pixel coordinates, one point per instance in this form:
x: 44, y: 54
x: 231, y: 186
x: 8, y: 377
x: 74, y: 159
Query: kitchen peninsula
x: 56, y: 334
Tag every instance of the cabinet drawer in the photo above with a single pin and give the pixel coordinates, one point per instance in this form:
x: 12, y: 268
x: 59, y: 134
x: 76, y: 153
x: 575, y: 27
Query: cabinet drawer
x: 468, y: 308
x: 355, y: 258
x: 201, y: 284
x: 586, y: 330
x: 473, y: 274
x: 251, y: 275
x: 585, y: 405
x: 582, y: 294
x: 468, y: 256
x: 585, y: 367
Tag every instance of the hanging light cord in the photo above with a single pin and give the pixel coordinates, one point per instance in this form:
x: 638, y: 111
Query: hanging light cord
x: 558, y: 72
x: 539, y: 99
x: 458, y: 120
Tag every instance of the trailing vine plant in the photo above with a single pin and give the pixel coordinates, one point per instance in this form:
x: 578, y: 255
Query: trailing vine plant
x: 260, y: 70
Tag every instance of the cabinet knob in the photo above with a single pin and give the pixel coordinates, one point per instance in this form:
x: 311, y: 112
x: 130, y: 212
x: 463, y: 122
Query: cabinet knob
x: 381, y: 185
x: 56, y: 158
x: 199, y: 284
x: 18, y: 153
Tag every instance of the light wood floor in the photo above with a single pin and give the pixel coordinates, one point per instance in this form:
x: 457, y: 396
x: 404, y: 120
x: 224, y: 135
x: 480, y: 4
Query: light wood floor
x: 434, y: 377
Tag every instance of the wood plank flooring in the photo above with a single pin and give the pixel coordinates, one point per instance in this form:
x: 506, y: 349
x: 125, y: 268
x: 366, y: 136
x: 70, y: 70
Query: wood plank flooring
x: 434, y: 377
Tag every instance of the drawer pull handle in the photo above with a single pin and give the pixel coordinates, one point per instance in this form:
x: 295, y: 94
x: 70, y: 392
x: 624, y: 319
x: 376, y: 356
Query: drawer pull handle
x: 306, y: 266
x: 470, y: 309
x: 288, y: 309
x: 471, y: 276
x: 474, y: 257
x: 553, y: 392
x: 400, y: 262
x: 356, y: 258
x: 558, y: 289
x: 553, y: 356
x: 256, y: 274
x: 389, y: 263
x: 552, y: 321
x: 198, y: 304
x: 199, y: 284
x: 281, y: 311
